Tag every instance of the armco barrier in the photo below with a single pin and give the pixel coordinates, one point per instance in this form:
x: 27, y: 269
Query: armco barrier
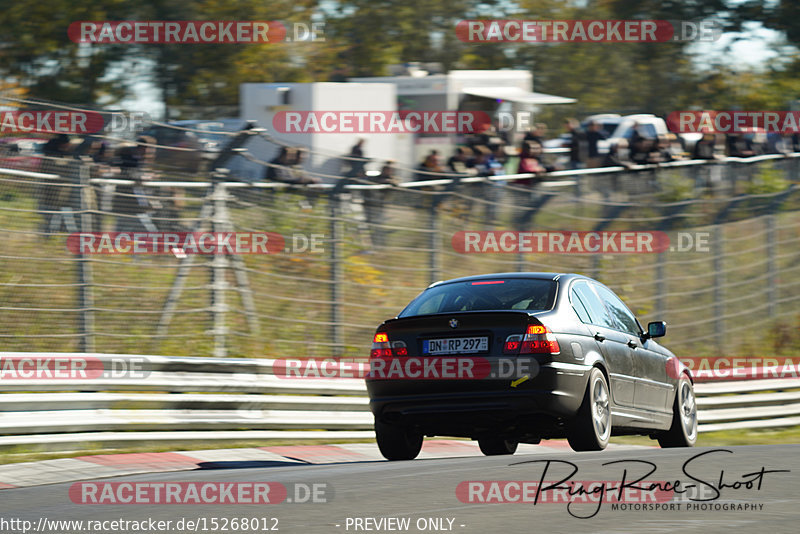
x: 227, y: 399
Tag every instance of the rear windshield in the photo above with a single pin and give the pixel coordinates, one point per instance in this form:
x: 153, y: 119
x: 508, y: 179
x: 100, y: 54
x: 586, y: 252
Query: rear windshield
x: 527, y: 294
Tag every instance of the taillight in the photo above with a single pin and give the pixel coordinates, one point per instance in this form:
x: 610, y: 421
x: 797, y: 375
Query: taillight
x: 380, y: 346
x: 512, y: 344
x: 538, y: 339
x: 399, y: 348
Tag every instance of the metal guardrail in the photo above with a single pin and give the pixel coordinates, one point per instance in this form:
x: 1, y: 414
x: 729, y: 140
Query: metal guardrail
x: 226, y: 399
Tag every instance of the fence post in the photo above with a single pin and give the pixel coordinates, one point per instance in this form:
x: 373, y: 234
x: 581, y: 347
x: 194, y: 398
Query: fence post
x: 85, y: 279
x: 434, y: 257
x: 730, y: 171
x: 336, y: 274
x: 219, y: 284
x: 772, y: 271
x: 661, y: 286
x: 719, y: 287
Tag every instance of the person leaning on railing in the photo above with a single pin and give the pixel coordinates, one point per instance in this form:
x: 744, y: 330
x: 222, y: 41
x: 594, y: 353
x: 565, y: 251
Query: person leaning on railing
x: 705, y: 147
x: 462, y: 161
x: 52, y: 195
x: 530, y: 162
x: 376, y: 200
x: 133, y: 203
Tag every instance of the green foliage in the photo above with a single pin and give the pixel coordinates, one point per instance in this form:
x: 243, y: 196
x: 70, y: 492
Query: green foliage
x: 675, y: 186
x: 768, y: 180
x: 364, y: 37
x: 784, y: 337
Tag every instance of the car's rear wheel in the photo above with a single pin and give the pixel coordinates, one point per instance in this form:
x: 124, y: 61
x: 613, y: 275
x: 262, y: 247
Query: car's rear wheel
x: 497, y: 446
x: 590, y: 430
x: 683, y: 432
x: 397, y: 442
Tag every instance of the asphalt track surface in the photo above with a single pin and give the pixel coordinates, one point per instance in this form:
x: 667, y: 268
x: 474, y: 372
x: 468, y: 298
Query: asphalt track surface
x: 426, y: 488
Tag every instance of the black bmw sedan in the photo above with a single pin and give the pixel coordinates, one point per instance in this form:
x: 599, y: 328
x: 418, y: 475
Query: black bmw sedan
x: 520, y: 357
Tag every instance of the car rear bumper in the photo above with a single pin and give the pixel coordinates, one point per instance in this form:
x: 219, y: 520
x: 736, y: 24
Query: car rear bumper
x: 466, y: 407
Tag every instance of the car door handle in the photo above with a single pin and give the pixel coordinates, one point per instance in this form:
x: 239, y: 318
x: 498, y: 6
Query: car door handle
x: 599, y: 337
x: 632, y: 344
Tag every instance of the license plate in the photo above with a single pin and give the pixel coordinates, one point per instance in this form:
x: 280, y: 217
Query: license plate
x: 455, y: 345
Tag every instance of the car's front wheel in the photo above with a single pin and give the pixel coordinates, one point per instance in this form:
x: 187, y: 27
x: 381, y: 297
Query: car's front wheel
x: 497, y: 446
x: 590, y: 430
x: 397, y: 442
x: 683, y: 432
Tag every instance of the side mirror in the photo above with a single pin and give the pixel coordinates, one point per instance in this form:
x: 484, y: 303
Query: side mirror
x: 656, y: 329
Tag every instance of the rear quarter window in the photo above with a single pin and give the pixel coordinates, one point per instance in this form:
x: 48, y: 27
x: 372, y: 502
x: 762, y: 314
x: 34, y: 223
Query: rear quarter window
x: 594, y: 307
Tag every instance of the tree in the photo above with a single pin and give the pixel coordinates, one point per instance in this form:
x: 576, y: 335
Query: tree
x: 38, y: 54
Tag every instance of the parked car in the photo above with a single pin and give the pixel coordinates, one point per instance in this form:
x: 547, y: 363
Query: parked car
x: 190, y: 145
x: 650, y: 126
x: 586, y: 369
x: 21, y: 153
x: 608, y: 122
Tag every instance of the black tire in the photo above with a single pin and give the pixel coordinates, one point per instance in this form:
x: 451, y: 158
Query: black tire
x: 497, y: 446
x: 683, y: 432
x: 397, y: 442
x: 590, y: 430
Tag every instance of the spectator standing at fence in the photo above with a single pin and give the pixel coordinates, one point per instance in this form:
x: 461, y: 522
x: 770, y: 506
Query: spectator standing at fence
x: 738, y: 146
x: 96, y: 150
x: 578, y: 144
x: 278, y: 169
x: 462, y: 162
x: 775, y: 144
x: 483, y: 161
x: 536, y: 133
x: 640, y: 145
x: 53, y: 194
x: 297, y: 168
x: 299, y: 176
x: 530, y: 162
x: 705, y: 147
x: 431, y: 164
x: 375, y: 201
x: 499, y: 158
x: 356, y: 160
x: 134, y: 203
x: 676, y: 149
x: 501, y: 133
x: 94, y: 153
x: 618, y: 155
x: 594, y: 134
x: 492, y: 190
